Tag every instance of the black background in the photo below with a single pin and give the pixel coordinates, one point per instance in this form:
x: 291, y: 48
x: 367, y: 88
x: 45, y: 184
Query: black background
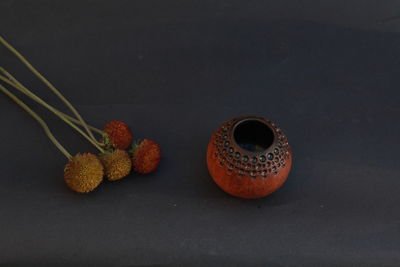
x: 326, y: 71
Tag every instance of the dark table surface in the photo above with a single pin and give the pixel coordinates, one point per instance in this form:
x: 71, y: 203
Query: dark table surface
x: 174, y: 71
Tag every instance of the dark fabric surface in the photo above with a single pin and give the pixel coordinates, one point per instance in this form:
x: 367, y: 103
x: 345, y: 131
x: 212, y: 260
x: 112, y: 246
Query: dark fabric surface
x: 174, y: 71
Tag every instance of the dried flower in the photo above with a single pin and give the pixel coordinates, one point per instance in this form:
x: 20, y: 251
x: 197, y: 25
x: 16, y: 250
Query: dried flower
x: 146, y: 156
x: 83, y: 173
x: 118, y: 134
x: 117, y: 164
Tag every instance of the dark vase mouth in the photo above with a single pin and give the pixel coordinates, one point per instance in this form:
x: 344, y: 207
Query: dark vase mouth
x: 253, y: 135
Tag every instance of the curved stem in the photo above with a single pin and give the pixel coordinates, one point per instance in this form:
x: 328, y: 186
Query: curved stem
x: 12, y: 79
x: 17, y: 85
x: 16, y: 82
x: 94, y: 129
x: 38, y: 118
x: 48, y: 84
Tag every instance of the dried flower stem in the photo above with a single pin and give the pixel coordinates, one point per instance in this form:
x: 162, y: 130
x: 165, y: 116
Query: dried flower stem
x: 38, y: 118
x: 20, y: 87
x: 29, y: 93
x: 48, y: 84
x: 72, y: 119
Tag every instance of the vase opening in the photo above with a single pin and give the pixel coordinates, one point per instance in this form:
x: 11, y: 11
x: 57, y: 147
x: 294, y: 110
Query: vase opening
x: 253, y: 135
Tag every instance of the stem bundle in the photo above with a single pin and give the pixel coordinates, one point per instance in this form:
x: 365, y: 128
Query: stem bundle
x: 10, y: 80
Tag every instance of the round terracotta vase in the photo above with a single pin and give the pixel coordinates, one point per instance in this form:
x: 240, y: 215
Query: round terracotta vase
x: 249, y: 157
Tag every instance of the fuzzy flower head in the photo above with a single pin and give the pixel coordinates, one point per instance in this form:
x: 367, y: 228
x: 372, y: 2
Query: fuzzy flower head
x: 146, y: 156
x: 117, y: 164
x: 118, y: 135
x: 83, y: 173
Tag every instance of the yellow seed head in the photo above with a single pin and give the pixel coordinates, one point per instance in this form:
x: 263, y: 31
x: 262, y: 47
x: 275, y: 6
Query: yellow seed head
x: 83, y: 173
x: 117, y: 164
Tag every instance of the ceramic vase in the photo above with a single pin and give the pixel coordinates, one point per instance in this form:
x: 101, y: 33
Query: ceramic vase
x: 249, y: 157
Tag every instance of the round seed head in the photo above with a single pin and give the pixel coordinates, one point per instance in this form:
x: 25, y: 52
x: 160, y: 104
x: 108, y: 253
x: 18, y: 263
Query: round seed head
x: 117, y: 164
x: 118, y: 134
x: 146, y: 156
x: 83, y: 173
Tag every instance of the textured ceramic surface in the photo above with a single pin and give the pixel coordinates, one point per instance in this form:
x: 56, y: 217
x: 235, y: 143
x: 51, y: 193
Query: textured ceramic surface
x: 249, y: 157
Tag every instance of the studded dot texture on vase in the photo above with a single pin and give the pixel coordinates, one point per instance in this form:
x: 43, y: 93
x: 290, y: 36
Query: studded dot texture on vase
x: 249, y: 157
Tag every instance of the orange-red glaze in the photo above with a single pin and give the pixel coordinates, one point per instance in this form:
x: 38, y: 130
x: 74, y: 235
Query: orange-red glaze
x: 245, y: 186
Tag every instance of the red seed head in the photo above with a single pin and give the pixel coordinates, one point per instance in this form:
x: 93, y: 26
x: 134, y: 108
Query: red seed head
x: 118, y: 134
x: 146, y: 156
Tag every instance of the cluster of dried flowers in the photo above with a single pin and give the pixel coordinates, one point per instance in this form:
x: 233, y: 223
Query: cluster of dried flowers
x: 119, y: 153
